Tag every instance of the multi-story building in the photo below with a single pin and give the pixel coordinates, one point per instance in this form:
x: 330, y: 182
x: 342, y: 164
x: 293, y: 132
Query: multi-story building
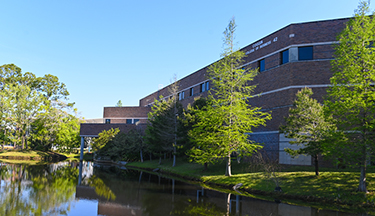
x: 289, y: 59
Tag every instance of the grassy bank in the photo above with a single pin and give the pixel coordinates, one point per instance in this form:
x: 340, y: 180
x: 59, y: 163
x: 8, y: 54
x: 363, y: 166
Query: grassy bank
x: 26, y: 155
x: 334, y: 188
x: 32, y: 155
x: 86, y: 156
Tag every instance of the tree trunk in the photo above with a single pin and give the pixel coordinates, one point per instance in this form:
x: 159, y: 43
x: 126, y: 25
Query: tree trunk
x: 316, y: 165
x: 362, y: 179
x: 23, y: 141
x: 159, y: 160
x: 228, y: 170
x: 141, y: 156
x: 174, y: 156
x: 228, y: 204
x: 205, y: 166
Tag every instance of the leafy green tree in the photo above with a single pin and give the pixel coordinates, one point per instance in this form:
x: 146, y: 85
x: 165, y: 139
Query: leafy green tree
x: 164, y: 123
x: 104, y: 137
x: 119, y: 103
x: 188, y: 120
x: 352, y: 95
x: 224, y: 126
x: 23, y: 108
x: 67, y: 136
x: 308, y: 125
x: 27, y: 100
x: 136, y: 142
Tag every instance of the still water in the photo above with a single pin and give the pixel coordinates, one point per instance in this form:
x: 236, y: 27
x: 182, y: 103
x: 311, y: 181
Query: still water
x: 71, y: 188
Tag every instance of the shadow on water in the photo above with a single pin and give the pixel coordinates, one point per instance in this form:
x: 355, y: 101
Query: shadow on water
x: 65, y: 188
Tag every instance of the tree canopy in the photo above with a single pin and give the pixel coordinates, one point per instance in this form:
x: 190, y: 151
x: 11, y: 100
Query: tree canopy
x: 352, y: 95
x: 225, y: 124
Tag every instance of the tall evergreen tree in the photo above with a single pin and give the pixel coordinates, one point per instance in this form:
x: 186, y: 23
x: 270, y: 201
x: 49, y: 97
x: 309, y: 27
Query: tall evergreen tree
x: 352, y: 95
x: 161, y: 132
x: 308, y: 125
x: 225, y: 125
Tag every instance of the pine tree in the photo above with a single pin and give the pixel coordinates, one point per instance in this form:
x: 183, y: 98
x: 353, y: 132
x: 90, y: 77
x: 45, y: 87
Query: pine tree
x: 226, y: 123
x: 352, y: 95
x: 308, y: 125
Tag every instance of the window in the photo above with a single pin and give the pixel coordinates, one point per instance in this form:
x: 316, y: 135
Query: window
x: 129, y: 121
x: 136, y: 120
x: 305, y: 53
x: 191, y: 91
x: 202, y: 87
x: 181, y: 95
x: 284, y: 57
x: 262, y: 65
x: 207, y: 86
x: 108, y: 121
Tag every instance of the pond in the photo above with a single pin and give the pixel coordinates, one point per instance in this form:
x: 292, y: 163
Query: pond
x: 73, y: 188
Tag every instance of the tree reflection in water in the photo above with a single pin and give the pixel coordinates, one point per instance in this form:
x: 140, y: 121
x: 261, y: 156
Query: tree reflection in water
x: 36, y: 190
x: 100, y: 188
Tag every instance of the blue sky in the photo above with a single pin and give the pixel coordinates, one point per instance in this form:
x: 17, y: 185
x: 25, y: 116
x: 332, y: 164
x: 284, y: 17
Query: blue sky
x: 107, y: 50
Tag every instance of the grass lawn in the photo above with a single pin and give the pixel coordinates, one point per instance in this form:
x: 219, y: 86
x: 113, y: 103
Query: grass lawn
x: 13, y: 155
x: 332, y: 187
x: 23, y: 153
x: 75, y: 156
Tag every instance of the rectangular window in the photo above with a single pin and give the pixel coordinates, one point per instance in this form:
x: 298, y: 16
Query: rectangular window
x: 136, y: 120
x: 262, y: 65
x: 284, y: 57
x: 108, y: 121
x: 207, y: 86
x: 202, y: 87
x: 181, y: 95
x: 129, y: 121
x: 191, y: 91
x: 305, y: 53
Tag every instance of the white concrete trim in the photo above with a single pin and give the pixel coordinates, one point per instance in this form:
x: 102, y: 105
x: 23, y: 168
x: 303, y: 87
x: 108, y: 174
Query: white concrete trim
x: 292, y: 87
x: 125, y: 118
x: 264, y: 132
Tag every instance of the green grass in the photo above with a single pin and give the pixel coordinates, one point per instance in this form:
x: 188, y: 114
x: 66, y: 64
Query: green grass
x: 27, y: 162
x: 334, y: 188
x: 76, y: 156
x: 23, y: 153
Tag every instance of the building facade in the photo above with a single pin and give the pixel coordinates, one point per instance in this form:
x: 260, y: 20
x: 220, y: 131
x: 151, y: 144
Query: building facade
x: 288, y: 60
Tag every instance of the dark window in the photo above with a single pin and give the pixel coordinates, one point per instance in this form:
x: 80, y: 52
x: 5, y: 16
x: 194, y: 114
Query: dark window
x: 284, y: 57
x: 129, y: 121
x: 202, y: 87
x: 191, y: 91
x: 108, y: 121
x: 262, y: 65
x: 179, y: 96
x: 305, y: 53
x: 136, y: 120
x: 207, y: 86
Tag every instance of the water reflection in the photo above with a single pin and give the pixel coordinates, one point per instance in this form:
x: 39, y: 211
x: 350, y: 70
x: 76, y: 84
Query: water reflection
x: 84, y: 189
x: 36, y: 190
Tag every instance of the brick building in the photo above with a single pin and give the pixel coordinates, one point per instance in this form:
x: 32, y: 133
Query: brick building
x: 288, y: 59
